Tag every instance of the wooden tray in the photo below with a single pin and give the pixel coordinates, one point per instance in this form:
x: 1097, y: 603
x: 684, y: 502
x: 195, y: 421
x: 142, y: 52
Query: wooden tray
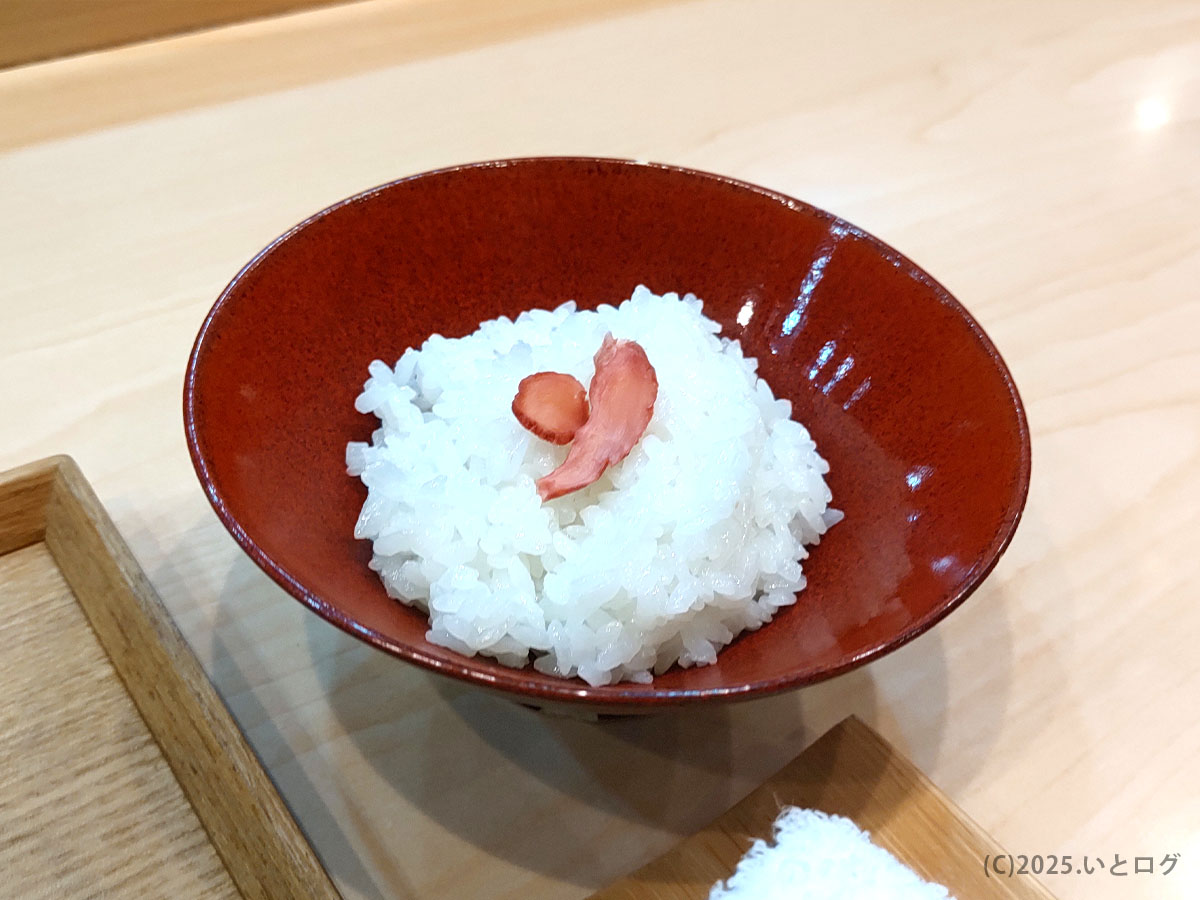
x: 852, y: 772
x: 122, y: 774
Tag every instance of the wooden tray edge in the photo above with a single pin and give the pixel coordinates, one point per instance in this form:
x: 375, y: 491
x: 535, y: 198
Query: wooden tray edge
x: 262, y: 847
x: 954, y: 818
x: 660, y: 877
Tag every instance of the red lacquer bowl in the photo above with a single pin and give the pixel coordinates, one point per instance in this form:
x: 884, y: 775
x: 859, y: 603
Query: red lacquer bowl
x: 903, y: 392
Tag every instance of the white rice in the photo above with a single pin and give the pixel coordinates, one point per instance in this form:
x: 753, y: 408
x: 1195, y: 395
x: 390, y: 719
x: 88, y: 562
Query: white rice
x: 821, y: 857
x: 695, y: 537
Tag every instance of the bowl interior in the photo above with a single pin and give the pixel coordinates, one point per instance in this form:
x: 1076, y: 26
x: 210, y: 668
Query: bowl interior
x: 904, y: 394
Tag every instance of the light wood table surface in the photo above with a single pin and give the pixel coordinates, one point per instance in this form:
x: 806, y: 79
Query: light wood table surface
x: 1042, y: 160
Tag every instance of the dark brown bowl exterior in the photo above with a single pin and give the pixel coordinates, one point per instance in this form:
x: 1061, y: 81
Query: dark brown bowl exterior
x: 903, y: 392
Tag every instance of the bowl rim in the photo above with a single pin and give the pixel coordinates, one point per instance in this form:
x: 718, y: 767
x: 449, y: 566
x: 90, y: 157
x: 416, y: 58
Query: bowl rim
x: 574, y: 690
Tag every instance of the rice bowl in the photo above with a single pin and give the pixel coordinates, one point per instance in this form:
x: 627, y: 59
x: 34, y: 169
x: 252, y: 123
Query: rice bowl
x: 908, y: 398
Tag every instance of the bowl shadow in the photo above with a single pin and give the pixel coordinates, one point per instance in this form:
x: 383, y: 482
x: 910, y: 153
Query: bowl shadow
x: 532, y: 790
x: 639, y: 782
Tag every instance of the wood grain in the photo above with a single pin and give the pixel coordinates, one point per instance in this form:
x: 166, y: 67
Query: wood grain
x: 849, y: 772
x: 1040, y: 160
x: 75, y: 687
x: 89, y: 806
x: 23, y: 497
x: 32, y: 30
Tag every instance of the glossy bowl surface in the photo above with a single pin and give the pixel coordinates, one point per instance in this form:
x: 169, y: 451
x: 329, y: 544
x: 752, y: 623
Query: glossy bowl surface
x: 905, y: 395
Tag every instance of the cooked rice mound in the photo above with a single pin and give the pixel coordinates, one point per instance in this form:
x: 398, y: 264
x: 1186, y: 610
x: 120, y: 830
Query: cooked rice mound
x: 696, y: 536
x: 816, y: 856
